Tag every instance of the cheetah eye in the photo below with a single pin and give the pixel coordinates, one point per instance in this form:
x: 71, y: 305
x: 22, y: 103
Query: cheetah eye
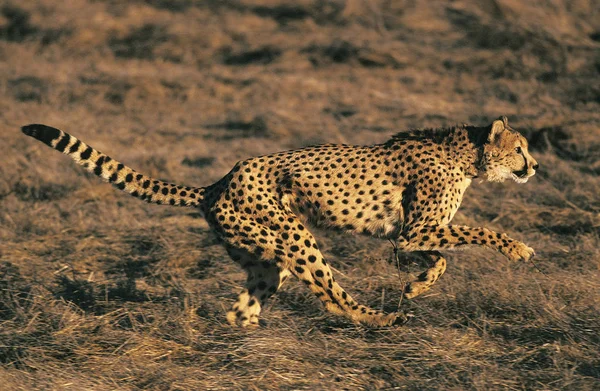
x: 518, y: 150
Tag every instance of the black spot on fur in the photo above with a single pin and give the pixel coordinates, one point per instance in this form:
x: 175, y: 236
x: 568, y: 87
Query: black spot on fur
x: 75, y: 147
x: 86, y: 154
x: 62, y: 144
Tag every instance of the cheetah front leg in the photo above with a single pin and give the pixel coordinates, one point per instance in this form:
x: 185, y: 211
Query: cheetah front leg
x: 426, y: 279
x: 452, y: 236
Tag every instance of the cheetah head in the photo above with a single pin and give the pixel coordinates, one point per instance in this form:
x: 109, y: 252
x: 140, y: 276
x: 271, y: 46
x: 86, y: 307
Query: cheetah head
x: 505, y: 154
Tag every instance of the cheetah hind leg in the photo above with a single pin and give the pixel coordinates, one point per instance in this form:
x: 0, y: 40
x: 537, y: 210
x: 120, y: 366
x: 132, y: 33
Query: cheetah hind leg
x: 294, y: 251
x: 426, y: 279
x: 264, y: 279
x: 312, y: 269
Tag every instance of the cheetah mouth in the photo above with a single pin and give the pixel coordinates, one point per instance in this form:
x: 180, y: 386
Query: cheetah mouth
x: 520, y: 176
x: 521, y: 173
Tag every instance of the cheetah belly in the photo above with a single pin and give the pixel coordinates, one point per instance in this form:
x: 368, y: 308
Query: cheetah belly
x: 379, y: 214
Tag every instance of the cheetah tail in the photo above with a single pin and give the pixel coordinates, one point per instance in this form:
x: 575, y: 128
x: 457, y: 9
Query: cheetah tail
x: 119, y: 175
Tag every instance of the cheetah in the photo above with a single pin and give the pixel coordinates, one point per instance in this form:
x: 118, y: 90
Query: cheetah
x: 406, y: 189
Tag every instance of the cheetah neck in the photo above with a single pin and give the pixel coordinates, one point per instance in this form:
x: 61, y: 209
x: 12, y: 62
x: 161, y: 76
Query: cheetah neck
x: 465, y: 147
x: 462, y: 145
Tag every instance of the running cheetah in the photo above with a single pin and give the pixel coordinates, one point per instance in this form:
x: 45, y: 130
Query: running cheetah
x: 406, y: 190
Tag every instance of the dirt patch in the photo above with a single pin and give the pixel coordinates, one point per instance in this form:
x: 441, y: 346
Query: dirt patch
x: 235, y: 129
x: 28, y: 88
x: 18, y: 28
x: 198, y: 162
x: 344, y: 52
x: 139, y: 43
x: 26, y: 191
x: 264, y: 55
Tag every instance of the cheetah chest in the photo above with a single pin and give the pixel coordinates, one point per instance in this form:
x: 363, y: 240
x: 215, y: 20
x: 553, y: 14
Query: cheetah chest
x: 438, y: 206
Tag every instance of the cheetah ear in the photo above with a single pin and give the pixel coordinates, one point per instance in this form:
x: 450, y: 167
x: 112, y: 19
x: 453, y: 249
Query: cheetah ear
x: 497, y: 127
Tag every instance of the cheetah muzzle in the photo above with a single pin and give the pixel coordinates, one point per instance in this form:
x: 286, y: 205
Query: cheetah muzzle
x: 406, y: 189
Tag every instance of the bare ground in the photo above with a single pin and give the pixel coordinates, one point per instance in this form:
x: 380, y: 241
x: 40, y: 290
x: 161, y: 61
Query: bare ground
x: 99, y: 291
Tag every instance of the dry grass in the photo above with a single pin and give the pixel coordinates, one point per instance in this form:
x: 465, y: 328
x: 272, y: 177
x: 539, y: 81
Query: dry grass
x: 99, y: 291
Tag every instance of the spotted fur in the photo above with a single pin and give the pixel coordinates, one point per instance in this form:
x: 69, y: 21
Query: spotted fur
x: 407, y: 190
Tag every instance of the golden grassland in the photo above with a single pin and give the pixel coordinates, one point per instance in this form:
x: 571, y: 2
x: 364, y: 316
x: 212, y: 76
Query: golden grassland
x: 99, y: 291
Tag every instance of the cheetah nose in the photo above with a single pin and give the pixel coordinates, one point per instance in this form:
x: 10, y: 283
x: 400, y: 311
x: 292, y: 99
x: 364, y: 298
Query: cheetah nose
x: 536, y: 166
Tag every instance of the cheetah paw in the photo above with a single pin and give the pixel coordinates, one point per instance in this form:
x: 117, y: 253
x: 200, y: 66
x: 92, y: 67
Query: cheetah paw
x: 402, y: 318
x: 520, y: 252
x: 237, y: 319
